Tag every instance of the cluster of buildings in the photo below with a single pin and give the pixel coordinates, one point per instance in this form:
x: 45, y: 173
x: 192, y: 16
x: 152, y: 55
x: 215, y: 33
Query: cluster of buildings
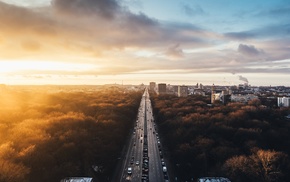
x: 179, y: 90
x: 225, y: 94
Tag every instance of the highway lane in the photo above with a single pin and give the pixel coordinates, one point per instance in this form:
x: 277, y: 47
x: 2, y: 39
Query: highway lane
x: 135, y: 148
x: 143, y: 147
x: 156, y: 173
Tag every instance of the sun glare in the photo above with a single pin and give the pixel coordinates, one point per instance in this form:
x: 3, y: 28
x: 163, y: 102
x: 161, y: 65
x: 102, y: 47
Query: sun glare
x: 18, y: 66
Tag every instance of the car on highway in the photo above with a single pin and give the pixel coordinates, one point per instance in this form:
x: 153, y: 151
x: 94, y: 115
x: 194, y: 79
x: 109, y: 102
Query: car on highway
x: 165, y: 176
x: 164, y: 169
x: 137, y: 163
x: 132, y: 161
x: 129, y: 171
x: 145, y: 177
x: 145, y: 170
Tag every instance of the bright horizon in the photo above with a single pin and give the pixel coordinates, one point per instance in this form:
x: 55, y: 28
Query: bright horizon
x: 95, y: 42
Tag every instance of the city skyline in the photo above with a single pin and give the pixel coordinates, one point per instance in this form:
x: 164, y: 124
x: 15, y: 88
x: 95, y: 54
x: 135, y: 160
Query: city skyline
x: 134, y: 41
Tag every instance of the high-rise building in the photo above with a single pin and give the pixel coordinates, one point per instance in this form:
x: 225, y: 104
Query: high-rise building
x: 213, y: 94
x: 182, y: 91
x: 200, y: 86
x: 175, y: 89
x: 283, y: 101
x: 152, y: 86
x: 162, y: 88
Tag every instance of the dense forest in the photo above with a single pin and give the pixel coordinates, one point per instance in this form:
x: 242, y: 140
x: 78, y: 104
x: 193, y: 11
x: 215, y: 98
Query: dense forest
x: 49, y: 136
x: 240, y: 141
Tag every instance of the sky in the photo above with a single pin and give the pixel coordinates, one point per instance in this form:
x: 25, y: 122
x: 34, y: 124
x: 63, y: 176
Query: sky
x: 92, y: 42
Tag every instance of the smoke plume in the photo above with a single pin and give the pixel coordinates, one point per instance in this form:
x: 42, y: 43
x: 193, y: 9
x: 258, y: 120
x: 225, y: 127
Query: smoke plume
x: 243, y: 79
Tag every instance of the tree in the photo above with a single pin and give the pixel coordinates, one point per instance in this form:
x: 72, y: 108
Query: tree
x: 255, y: 102
x: 265, y: 165
x: 242, y: 168
x: 275, y: 165
x: 12, y: 172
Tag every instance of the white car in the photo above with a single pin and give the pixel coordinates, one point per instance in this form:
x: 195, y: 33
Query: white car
x: 164, y: 169
x: 129, y: 170
x: 137, y: 163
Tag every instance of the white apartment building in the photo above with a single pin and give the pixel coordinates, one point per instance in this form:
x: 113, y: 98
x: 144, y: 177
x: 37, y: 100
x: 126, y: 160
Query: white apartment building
x: 243, y: 98
x: 283, y: 101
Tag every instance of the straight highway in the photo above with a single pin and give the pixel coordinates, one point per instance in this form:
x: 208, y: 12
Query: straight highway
x: 144, y: 157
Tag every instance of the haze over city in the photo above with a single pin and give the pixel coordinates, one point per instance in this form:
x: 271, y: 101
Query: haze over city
x: 133, y: 41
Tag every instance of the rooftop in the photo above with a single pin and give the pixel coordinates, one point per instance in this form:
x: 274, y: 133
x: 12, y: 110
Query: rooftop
x: 77, y: 179
x: 213, y: 179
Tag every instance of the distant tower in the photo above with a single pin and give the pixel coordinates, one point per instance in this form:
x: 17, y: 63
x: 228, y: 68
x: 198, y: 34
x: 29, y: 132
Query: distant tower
x: 201, y: 86
x: 152, y: 86
x: 212, y: 94
x: 162, y: 88
x: 182, y: 91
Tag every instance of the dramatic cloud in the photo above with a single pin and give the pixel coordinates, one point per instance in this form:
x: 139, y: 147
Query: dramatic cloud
x: 273, y: 30
x: 116, y: 40
x: 104, y: 8
x: 241, y: 35
x: 249, y: 50
x: 88, y: 27
x: 277, y: 49
x: 132, y: 3
x: 192, y: 10
x: 174, y: 52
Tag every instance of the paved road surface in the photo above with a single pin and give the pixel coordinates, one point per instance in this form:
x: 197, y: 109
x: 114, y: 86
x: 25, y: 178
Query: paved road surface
x: 144, y: 156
